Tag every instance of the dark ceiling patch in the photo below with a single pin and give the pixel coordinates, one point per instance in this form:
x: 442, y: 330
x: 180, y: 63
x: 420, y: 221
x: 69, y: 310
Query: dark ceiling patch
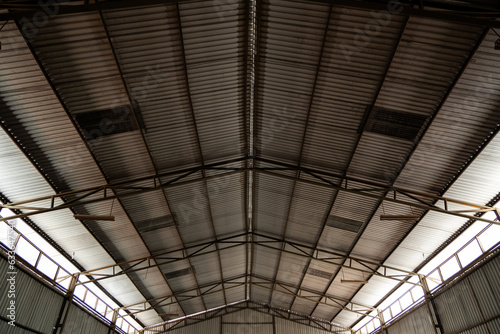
x: 96, y: 124
x: 178, y: 273
x: 400, y: 124
x: 344, y: 223
x: 154, y: 224
x: 319, y: 273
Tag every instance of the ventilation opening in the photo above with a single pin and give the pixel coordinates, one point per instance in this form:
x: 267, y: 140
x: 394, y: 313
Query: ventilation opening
x: 154, y: 224
x: 393, y: 123
x: 319, y: 273
x: 346, y: 224
x: 178, y: 273
x: 96, y: 124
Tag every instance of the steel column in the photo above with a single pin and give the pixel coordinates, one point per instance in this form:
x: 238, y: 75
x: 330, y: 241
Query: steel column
x: 431, y: 306
x: 67, y: 303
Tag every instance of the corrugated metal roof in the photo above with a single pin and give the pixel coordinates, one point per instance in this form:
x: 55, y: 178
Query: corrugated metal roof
x: 184, y: 98
x: 286, y: 74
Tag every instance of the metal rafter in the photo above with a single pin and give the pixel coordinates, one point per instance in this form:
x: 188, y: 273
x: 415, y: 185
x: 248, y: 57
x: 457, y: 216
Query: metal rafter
x: 198, y: 141
x: 303, y: 319
x: 144, y: 141
x: 462, y: 169
x: 344, y: 179
x: 429, y: 124
x: 349, y: 162
x: 392, y: 182
x: 299, y: 161
x: 66, y: 110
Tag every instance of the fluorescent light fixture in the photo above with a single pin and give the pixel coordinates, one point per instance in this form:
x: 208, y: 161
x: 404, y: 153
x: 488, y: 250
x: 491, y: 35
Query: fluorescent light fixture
x: 400, y: 217
x: 353, y: 281
x: 92, y: 217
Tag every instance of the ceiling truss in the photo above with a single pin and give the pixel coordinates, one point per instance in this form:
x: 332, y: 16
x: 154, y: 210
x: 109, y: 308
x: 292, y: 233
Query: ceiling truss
x: 260, y: 307
x: 248, y: 167
x: 329, y: 257
x: 239, y: 282
x: 418, y: 199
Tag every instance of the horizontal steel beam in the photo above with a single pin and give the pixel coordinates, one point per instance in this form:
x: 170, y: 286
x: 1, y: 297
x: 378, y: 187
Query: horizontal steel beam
x: 322, y: 182
x: 259, y: 307
x: 194, y: 318
x: 325, y: 255
x: 313, y: 296
x: 216, y: 287
x: 183, y: 296
x: 429, y: 207
x: 330, y: 257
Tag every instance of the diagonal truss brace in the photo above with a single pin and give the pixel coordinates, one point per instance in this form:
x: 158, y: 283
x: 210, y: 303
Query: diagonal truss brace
x: 129, y: 188
x: 330, y: 257
x: 236, y: 307
x: 183, y: 296
x: 217, y: 287
x: 312, y: 296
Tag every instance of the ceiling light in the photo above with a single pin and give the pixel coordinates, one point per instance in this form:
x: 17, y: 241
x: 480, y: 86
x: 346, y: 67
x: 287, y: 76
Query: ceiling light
x: 400, y: 217
x: 92, y: 217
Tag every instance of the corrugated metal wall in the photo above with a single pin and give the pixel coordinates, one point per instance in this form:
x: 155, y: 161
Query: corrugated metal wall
x: 418, y: 321
x: 471, y: 306
x: 80, y: 322
x: 473, y: 301
x: 36, y: 306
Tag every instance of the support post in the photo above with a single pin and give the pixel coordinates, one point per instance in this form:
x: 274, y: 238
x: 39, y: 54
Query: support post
x: 382, y: 321
x: 431, y: 306
x: 63, y: 313
x: 112, y: 325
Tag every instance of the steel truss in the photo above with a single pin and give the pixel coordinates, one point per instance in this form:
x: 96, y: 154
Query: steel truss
x: 238, y: 282
x: 330, y: 257
x: 106, y: 192
x: 295, y: 249
x: 236, y: 307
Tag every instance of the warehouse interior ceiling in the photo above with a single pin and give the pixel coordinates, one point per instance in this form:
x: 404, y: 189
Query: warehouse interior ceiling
x: 247, y: 149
